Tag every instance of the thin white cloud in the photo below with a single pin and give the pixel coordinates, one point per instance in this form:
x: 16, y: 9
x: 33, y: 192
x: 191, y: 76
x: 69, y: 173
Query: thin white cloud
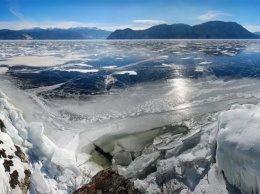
x: 149, y: 21
x: 121, y: 27
x: 212, y: 14
x: 13, y: 7
x: 17, y: 13
x: 252, y: 28
x: 135, y: 25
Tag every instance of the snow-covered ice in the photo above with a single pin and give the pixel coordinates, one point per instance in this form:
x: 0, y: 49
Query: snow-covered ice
x: 53, y: 168
x: 238, y: 148
x: 81, y: 70
x: 139, y: 166
x: 35, y: 61
x: 127, y: 72
x: 8, y: 154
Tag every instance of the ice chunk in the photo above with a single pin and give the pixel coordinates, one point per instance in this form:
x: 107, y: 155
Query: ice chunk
x: 148, y: 185
x: 185, y: 144
x: 65, y: 159
x: 43, y: 146
x: 213, y: 182
x: 139, y: 166
x: 123, y: 158
x: 238, y: 146
x: 39, y: 182
x: 12, y: 131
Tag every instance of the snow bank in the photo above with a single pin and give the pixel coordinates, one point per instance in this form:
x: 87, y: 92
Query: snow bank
x: 54, y: 169
x: 238, y: 149
x: 12, y: 163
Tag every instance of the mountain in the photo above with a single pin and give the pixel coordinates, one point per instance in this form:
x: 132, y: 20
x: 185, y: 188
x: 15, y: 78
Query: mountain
x: 54, y: 34
x: 219, y: 30
x: 257, y: 33
x: 208, y: 30
x: 162, y: 31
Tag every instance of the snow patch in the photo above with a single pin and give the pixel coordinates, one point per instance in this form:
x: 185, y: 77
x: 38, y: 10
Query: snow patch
x: 126, y: 72
x: 80, y: 70
x: 42, y: 61
x: 205, y: 63
x: 109, y: 67
x: 199, y: 68
x: 3, y: 70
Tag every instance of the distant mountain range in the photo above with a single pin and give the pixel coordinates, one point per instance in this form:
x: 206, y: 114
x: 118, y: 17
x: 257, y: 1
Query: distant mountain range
x: 54, y: 34
x: 208, y: 30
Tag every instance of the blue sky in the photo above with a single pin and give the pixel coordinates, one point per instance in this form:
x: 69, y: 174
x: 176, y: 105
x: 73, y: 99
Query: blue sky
x: 120, y: 14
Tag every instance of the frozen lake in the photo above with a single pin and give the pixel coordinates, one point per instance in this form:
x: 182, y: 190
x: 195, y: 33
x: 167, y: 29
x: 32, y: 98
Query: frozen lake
x: 158, y: 100
x: 83, y: 90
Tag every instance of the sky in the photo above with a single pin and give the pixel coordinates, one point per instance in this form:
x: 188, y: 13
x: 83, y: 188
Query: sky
x: 121, y: 14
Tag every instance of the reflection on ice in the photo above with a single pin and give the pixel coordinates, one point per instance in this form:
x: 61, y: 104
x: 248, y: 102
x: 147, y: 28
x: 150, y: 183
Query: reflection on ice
x: 180, y: 88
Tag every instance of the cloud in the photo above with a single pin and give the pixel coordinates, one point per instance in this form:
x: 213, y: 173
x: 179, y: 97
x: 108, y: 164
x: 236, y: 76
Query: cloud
x: 212, y: 15
x: 136, y: 25
x: 252, y: 28
x: 120, y: 27
x: 149, y: 21
x: 17, y: 13
x: 27, y: 24
x: 13, y: 7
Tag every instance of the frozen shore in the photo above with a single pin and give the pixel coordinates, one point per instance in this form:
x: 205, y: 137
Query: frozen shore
x: 54, y: 169
x: 183, y: 156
